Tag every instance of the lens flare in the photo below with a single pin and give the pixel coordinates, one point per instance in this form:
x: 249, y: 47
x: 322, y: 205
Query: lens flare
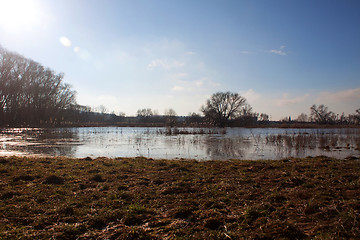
x: 20, y: 14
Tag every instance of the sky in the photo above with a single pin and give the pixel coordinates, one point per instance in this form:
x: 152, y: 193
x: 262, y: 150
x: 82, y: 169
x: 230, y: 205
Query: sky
x: 283, y: 56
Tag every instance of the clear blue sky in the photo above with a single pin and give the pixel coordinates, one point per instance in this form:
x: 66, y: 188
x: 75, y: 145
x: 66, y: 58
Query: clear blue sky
x: 283, y: 56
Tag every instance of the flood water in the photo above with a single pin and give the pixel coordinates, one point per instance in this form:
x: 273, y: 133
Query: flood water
x: 235, y: 143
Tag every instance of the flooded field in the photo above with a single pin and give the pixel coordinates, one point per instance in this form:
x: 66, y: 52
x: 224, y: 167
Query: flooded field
x: 200, y: 144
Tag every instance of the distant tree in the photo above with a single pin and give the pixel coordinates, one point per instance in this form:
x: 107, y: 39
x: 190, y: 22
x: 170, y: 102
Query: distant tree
x: 264, y: 117
x: 342, y: 119
x: 302, y: 118
x: 355, y: 118
x: 144, y: 113
x: 223, y: 106
x: 170, y: 117
x: 321, y: 114
x: 247, y: 111
x: 194, y: 118
x: 285, y: 119
x: 102, y: 109
x: 155, y: 112
x: 170, y: 112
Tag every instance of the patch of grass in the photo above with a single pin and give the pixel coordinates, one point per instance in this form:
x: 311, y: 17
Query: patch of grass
x: 139, y: 198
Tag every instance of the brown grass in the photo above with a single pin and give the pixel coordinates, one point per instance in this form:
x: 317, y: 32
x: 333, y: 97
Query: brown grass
x: 138, y: 198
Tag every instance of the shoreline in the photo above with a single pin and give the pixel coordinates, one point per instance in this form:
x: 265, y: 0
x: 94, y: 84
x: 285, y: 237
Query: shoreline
x: 205, y: 126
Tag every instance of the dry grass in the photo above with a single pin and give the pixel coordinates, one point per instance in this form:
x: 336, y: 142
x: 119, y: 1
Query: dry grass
x: 138, y: 198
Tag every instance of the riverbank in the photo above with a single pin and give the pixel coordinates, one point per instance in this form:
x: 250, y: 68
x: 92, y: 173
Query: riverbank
x: 272, y: 124
x: 139, y: 198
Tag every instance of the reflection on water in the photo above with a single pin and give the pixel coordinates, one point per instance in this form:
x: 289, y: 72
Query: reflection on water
x: 236, y: 143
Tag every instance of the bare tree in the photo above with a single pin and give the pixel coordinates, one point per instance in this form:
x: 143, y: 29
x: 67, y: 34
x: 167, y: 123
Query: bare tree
x: 31, y: 93
x: 355, y: 118
x: 302, y: 118
x: 144, y: 113
x: 102, y: 109
x: 321, y: 114
x: 170, y: 117
x: 264, y: 117
x: 194, y: 118
x: 223, y: 106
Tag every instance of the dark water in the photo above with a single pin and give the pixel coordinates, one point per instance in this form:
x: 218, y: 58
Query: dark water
x: 238, y: 143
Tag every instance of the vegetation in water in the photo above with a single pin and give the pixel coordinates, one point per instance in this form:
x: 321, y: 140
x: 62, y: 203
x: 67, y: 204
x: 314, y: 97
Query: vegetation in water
x: 139, y: 198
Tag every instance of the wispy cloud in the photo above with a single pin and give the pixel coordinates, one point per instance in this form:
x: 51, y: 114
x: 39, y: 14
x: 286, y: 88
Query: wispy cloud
x: 251, y: 95
x: 349, y: 95
x: 245, y: 52
x: 178, y: 89
x: 287, y: 101
x: 198, y: 85
x: 279, y: 51
x: 165, y: 64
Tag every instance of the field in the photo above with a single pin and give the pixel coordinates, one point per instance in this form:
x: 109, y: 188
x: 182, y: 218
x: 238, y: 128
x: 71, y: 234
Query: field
x: 139, y: 198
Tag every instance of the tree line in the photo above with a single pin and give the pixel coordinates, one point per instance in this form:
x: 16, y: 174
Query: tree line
x: 321, y: 114
x: 31, y: 93
x: 34, y: 95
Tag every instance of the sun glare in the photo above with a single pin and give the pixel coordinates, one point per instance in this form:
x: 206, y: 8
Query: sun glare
x: 19, y: 14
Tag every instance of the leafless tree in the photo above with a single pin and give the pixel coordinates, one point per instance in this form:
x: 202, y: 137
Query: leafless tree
x: 223, y: 106
x: 102, y: 109
x: 144, y: 113
x: 264, y: 117
x: 321, y: 114
x: 170, y: 117
x: 355, y: 118
x: 31, y: 93
x: 302, y: 118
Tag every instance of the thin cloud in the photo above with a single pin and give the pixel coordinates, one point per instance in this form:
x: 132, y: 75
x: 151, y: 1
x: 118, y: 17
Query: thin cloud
x: 165, y: 64
x: 245, y: 52
x: 286, y: 101
x: 190, y: 53
x: 199, y: 83
x: 251, y: 95
x: 349, y: 95
x: 179, y: 76
x: 279, y: 51
x: 178, y: 89
x: 203, y: 84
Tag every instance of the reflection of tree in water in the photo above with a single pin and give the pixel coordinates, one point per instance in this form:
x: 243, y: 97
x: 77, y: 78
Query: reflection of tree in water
x: 225, y: 148
x: 55, y: 142
x: 287, y: 145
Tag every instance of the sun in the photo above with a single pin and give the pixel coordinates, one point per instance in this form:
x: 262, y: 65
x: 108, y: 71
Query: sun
x: 19, y: 14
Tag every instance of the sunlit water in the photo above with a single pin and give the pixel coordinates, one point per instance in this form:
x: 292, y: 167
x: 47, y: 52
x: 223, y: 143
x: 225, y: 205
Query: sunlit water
x: 236, y: 143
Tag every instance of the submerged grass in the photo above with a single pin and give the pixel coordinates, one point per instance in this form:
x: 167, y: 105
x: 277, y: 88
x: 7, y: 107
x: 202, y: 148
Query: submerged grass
x: 139, y: 198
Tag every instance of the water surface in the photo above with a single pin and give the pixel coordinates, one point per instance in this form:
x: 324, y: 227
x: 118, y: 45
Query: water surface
x: 235, y: 143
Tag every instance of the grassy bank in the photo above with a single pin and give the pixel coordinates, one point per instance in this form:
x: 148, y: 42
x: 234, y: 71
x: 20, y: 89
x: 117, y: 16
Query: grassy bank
x: 137, y: 198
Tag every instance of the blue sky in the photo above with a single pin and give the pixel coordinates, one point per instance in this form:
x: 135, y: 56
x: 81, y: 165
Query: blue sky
x: 283, y: 56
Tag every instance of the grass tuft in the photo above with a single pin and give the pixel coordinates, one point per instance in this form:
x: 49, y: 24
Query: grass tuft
x: 53, y: 179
